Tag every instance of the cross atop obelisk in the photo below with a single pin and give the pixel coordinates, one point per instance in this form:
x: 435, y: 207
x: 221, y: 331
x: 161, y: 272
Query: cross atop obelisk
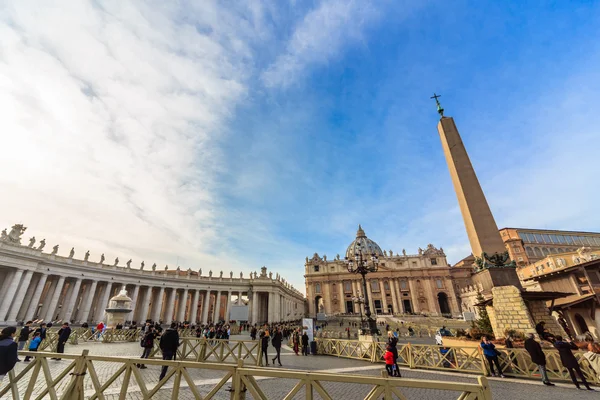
x: 437, y: 102
x: 479, y: 221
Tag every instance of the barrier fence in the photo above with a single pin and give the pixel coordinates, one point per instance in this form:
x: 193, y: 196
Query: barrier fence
x: 98, y: 377
x: 514, y: 362
x: 215, y: 350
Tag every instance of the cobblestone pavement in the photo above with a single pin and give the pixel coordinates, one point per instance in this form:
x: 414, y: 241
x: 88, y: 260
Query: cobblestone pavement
x: 205, y: 380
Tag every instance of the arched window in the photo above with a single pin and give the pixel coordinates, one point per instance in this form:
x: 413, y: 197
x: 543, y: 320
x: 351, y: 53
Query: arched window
x: 537, y: 252
x: 545, y: 251
x: 375, y: 285
x: 439, y: 284
x: 529, y: 251
x: 581, y: 324
x: 403, y: 285
x: 317, y: 288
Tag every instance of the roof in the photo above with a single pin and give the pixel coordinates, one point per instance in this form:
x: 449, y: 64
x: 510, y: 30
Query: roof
x: 549, y: 230
x: 573, y: 299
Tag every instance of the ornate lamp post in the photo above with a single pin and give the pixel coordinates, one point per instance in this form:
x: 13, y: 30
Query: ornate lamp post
x: 360, y: 265
x: 359, y: 300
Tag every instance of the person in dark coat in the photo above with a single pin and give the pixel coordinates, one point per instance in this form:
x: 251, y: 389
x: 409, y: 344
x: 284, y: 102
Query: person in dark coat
x: 63, y: 335
x: 305, y: 344
x: 264, y: 345
x: 565, y: 350
x: 42, y: 331
x: 391, y: 344
x: 276, y: 342
x: 24, y: 334
x: 538, y: 357
x: 147, y: 343
x: 490, y: 353
x: 8, y: 350
x: 169, y: 342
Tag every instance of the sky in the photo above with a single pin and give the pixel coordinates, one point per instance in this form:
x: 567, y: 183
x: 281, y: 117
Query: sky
x: 228, y: 135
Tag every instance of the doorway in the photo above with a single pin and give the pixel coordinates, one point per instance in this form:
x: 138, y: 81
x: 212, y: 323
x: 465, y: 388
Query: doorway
x: 443, y: 303
x: 407, y: 307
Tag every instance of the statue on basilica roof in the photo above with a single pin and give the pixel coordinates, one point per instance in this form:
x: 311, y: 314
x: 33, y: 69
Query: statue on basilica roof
x: 42, y: 245
x: 142, y: 265
x: 86, y: 256
x: 31, y: 242
x: 128, y: 263
x: 72, y: 252
x: 404, y: 252
x: 54, y: 250
x: 116, y: 262
x: 102, y: 258
x: 221, y: 274
x: 154, y: 267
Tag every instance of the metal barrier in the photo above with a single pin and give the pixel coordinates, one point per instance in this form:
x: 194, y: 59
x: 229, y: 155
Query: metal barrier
x: 514, y: 362
x: 98, y: 377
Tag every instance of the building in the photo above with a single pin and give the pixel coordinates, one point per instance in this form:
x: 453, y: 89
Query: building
x: 576, y: 273
x: 421, y: 283
x: 526, y: 246
x: 39, y: 285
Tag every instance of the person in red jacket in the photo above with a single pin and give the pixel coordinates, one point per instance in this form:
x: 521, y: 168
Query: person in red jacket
x: 389, y: 361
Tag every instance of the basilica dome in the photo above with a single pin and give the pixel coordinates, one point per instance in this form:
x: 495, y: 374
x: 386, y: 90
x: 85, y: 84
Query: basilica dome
x: 364, y: 243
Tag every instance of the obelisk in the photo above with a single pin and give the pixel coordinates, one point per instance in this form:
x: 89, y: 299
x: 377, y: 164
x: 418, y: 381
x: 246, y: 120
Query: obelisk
x: 480, y: 224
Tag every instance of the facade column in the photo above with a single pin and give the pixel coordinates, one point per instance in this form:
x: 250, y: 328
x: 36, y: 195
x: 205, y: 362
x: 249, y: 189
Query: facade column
x: 170, y: 306
x: 157, y: 304
x: 227, y: 306
x: 205, y: 306
x: 55, y: 298
x: 182, y: 305
x: 145, y: 305
x: 194, y: 308
x: 20, y: 296
x: 416, y: 307
x: 35, y: 299
x: 327, y: 297
x: 134, y: 301
x: 72, y: 300
x: 383, y: 295
x: 105, y: 298
x: 88, y: 303
x: 10, y: 294
x: 393, y: 288
x: 217, y: 313
x: 371, y: 301
x: 270, y: 307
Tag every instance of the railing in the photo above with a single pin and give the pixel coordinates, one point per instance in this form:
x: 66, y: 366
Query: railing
x: 85, y: 334
x: 98, y: 377
x: 121, y: 335
x: 215, y: 350
x: 514, y: 362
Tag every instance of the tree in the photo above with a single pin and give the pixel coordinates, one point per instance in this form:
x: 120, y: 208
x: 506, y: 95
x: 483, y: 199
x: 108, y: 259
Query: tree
x: 483, y: 320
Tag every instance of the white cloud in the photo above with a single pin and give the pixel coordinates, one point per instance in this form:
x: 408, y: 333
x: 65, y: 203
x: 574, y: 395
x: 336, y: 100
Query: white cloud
x: 112, y: 117
x: 319, y: 37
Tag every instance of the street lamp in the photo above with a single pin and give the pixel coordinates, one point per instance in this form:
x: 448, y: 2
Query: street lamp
x: 360, y: 265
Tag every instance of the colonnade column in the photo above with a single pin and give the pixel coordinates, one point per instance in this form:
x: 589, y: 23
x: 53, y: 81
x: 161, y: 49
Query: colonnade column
x: 20, y: 296
x: 10, y: 294
x: 72, y: 301
x: 254, y: 302
x: 170, y: 306
x: 227, y: 305
x: 182, y: 305
x: 270, y: 307
x: 157, y: 303
x: 55, y: 298
x: 88, y: 304
x: 134, y: 301
x: 217, y: 313
x: 194, y: 308
x: 205, y: 305
x: 35, y: 299
x: 145, y: 305
x: 105, y: 298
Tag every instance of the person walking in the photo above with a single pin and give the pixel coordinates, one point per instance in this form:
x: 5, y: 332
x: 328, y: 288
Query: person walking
x: 42, y: 331
x: 8, y: 350
x: 389, y: 360
x: 147, y: 343
x: 569, y: 361
x: 491, y: 355
x: 537, y: 357
x: 34, y: 344
x: 253, y: 333
x: 296, y: 341
x: 276, y: 342
x: 169, y: 342
x: 305, y: 344
x: 63, y: 335
x: 24, y: 334
x: 392, y: 344
x: 264, y: 345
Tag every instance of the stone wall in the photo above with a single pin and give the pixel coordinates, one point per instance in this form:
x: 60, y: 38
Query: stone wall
x: 539, y: 312
x: 509, y: 311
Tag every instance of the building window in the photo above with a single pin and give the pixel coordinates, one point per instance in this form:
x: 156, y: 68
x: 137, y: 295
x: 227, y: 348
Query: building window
x: 545, y: 251
x: 529, y: 251
x: 538, y: 238
x: 317, y: 288
x: 403, y: 285
x: 316, y: 267
x: 439, y: 283
x: 334, y: 288
x: 517, y: 249
x: 569, y: 239
x: 414, y: 263
x: 433, y: 261
x: 537, y: 252
x: 347, y: 287
x: 386, y: 285
x: 374, y: 286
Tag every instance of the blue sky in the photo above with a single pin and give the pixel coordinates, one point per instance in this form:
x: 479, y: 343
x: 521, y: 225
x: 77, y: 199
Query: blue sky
x: 231, y: 135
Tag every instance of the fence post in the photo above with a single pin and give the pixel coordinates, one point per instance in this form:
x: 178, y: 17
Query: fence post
x: 411, y: 358
x: 487, y: 392
x: 202, y: 352
x: 75, y: 389
x: 483, y: 366
x: 238, y: 389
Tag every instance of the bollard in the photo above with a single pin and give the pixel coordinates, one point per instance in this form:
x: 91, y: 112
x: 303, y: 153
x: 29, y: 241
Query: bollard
x: 238, y: 389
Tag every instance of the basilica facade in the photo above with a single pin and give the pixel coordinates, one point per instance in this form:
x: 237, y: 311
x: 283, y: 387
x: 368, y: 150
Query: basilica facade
x: 422, y: 283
